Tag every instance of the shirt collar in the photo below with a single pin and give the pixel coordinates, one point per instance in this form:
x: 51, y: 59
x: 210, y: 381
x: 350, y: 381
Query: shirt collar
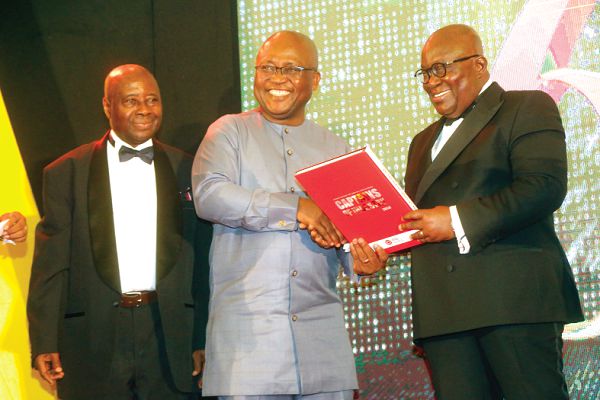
x: 486, y: 85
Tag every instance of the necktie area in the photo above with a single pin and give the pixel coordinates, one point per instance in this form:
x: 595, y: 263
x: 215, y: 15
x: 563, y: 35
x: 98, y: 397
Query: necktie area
x: 127, y: 153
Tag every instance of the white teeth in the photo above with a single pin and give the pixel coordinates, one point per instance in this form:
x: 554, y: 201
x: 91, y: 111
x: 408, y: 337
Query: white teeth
x: 279, y: 92
x: 441, y: 93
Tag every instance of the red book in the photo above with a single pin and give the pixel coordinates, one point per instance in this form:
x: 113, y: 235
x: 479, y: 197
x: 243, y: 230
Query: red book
x: 361, y: 198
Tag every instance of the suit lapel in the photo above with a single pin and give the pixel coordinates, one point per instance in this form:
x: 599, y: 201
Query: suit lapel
x: 487, y: 105
x: 100, y: 215
x: 169, y: 228
x: 420, y: 157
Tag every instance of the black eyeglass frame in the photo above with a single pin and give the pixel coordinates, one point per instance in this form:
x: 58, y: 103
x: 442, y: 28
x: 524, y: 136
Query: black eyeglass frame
x: 424, y: 75
x: 288, y: 71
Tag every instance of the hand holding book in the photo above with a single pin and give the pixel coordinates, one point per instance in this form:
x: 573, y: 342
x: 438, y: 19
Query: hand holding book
x: 367, y: 260
x: 361, y: 198
x: 321, y: 229
x: 432, y: 225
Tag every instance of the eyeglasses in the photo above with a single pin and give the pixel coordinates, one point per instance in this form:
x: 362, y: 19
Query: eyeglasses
x: 438, y: 69
x: 291, y: 71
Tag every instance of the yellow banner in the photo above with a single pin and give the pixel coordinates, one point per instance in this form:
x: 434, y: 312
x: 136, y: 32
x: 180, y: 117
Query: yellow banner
x: 17, y: 380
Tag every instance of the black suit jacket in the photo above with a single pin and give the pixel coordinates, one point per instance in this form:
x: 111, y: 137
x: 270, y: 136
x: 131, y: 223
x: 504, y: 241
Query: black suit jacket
x: 505, y: 169
x: 75, y: 285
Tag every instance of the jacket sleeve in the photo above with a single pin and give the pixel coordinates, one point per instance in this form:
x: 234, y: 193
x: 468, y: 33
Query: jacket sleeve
x: 45, y: 303
x: 538, y: 162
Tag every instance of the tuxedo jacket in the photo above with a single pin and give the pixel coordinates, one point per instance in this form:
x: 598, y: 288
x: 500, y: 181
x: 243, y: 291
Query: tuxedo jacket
x: 505, y: 168
x: 75, y: 286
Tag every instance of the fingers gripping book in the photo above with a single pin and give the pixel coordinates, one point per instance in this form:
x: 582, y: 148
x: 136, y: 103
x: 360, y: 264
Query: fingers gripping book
x: 361, y: 198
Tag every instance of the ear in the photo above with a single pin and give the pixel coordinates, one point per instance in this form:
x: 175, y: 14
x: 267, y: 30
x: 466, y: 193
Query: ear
x: 106, y: 106
x: 481, y: 64
x: 315, y: 81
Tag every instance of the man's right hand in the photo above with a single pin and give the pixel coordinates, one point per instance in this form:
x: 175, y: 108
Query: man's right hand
x: 49, y: 367
x: 321, y: 229
x: 16, y: 227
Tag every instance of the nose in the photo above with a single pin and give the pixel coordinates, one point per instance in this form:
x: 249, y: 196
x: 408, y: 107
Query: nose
x: 143, y: 108
x: 278, y: 76
x: 433, y: 80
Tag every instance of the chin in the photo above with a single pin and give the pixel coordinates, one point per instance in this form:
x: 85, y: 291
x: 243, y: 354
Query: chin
x: 445, y: 113
x: 143, y: 138
x: 277, y: 113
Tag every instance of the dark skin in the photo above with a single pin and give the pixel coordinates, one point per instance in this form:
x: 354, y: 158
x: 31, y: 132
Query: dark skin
x: 16, y: 227
x: 283, y: 100
x: 450, y: 96
x: 133, y: 106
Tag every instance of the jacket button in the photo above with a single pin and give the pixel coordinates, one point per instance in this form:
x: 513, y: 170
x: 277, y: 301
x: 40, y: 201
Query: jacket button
x: 294, y: 317
x: 294, y: 273
x: 290, y: 152
x: 449, y: 267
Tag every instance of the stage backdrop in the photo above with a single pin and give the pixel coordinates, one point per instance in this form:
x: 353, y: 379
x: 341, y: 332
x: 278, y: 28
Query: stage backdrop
x: 368, y: 52
x: 54, y: 56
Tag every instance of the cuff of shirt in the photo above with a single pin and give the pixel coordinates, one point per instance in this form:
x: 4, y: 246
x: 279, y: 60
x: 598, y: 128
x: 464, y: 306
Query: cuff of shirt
x: 461, y: 238
x: 347, y: 263
x: 283, y: 208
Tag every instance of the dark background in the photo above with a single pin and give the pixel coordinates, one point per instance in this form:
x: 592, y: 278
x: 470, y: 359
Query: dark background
x: 54, y: 56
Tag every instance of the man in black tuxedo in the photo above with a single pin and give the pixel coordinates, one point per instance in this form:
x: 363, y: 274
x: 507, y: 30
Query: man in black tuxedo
x: 491, y: 285
x: 117, y: 302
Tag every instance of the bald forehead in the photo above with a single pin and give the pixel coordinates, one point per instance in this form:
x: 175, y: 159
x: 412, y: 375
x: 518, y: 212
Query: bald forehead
x: 454, y: 39
x: 127, y: 73
x: 291, y: 40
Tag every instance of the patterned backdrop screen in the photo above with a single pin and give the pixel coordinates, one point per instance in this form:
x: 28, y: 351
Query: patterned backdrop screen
x: 369, y: 51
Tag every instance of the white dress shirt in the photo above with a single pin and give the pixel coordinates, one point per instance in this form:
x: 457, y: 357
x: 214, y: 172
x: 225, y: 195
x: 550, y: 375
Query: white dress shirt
x: 447, y: 131
x: 133, y: 193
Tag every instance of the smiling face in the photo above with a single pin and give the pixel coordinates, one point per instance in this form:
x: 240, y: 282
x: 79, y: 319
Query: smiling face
x: 283, y: 99
x: 132, y: 104
x: 452, y: 94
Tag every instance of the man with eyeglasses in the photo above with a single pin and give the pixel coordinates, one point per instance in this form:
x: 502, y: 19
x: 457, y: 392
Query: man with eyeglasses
x: 491, y: 286
x: 276, y: 327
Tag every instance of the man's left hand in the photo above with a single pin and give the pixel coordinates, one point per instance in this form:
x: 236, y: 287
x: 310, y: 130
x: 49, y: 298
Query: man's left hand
x: 199, y: 357
x: 367, y: 261
x: 433, y: 224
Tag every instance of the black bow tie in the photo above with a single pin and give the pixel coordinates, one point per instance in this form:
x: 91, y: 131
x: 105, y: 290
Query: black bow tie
x: 127, y: 153
x: 450, y: 121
